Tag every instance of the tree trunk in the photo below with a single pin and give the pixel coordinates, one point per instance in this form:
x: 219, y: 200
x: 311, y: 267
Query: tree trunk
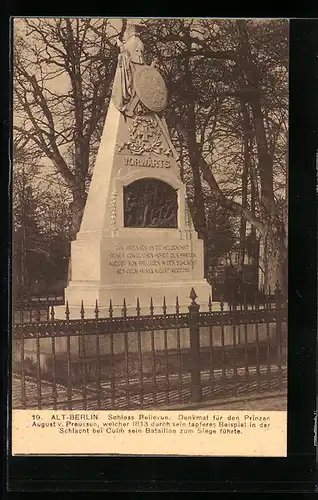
x: 242, y: 250
x: 275, y: 251
x: 77, y: 207
x: 199, y: 213
x: 264, y: 158
x: 275, y: 259
x: 199, y: 218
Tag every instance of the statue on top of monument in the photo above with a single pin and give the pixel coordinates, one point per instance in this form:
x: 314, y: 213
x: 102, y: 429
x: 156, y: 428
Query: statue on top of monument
x: 132, y: 47
x: 131, y: 53
x: 136, y: 82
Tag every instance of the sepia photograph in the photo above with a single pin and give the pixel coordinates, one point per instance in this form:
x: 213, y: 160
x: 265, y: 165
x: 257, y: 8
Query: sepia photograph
x: 149, y: 214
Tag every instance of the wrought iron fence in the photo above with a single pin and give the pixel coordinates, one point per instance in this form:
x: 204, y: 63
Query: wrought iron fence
x: 153, y: 360
x: 31, y: 309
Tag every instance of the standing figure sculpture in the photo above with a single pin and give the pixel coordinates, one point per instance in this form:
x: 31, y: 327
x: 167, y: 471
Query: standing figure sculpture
x: 138, y: 88
x: 131, y: 54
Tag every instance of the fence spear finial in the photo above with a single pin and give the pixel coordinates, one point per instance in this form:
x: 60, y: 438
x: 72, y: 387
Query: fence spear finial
x: 52, y: 312
x: 151, y: 307
x: 193, y: 295
x: 96, y: 311
x: 82, y: 310
x: 138, y: 307
x: 67, y: 311
x: 124, y: 310
x: 110, y: 310
x: 177, y: 305
x: 164, y: 307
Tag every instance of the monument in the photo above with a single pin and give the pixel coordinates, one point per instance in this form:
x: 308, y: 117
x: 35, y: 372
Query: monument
x: 136, y: 238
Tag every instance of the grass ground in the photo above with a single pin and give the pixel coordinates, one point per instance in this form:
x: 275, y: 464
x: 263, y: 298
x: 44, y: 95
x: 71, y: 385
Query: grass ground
x: 236, y: 394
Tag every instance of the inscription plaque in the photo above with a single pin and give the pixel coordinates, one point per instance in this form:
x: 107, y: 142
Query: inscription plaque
x: 152, y: 259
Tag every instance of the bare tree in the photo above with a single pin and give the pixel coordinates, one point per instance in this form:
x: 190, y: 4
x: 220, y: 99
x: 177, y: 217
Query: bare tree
x: 220, y: 73
x: 63, y: 72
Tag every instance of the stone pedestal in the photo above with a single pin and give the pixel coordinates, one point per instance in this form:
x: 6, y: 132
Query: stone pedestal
x: 142, y: 264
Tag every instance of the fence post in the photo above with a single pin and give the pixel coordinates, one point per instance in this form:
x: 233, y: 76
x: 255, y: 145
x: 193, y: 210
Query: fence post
x: 194, y: 308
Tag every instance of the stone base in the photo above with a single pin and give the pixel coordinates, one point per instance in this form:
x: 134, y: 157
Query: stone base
x: 89, y: 293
